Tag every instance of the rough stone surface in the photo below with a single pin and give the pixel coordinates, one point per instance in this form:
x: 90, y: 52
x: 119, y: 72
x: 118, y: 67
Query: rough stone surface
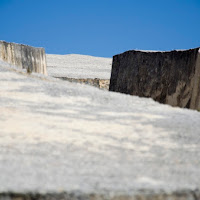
x: 99, y: 83
x: 168, y: 77
x: 23, y: 56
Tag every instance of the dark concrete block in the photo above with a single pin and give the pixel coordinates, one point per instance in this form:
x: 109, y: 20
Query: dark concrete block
x: 168, y: 77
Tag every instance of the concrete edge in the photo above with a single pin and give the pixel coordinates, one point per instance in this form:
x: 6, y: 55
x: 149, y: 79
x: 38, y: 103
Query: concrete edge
x: 155, y: 51
x: 140, y: 195
x: 22, y: 44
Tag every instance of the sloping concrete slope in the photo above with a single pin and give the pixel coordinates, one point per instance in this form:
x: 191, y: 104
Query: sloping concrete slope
x: 78, y: 66
x: 58, y: 136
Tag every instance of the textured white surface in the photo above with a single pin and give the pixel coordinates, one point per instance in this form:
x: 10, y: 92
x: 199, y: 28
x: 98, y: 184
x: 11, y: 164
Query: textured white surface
x: 78, y: 66
x: 61, y: 136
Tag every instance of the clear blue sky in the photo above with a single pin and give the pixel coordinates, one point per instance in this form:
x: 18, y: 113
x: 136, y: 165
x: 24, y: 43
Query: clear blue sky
x: 101, y: 27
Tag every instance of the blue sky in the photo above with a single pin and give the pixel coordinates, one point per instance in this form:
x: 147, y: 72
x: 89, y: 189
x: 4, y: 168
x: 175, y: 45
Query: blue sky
x: 101, y: 27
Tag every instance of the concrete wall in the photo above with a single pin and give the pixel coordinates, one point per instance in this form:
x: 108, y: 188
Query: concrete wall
x: 168, y: 77
x: 23, y: 56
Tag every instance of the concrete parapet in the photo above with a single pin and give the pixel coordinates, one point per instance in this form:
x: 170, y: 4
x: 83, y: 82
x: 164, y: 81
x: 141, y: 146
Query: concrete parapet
x: 24, y: 56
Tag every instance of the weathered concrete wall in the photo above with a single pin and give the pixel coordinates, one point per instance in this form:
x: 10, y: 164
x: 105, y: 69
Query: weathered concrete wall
x: 168, y: 77
x: 23, y: 56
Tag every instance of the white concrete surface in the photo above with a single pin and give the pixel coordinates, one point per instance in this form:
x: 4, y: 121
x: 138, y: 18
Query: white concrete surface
x: 60, y: 136
x: 78, y: 66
